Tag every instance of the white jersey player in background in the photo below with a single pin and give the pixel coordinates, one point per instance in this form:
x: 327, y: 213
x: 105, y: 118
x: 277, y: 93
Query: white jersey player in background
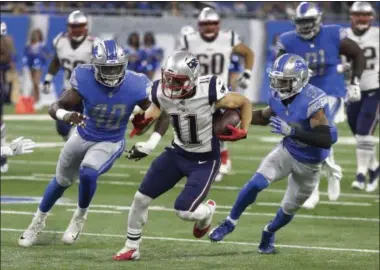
x: 191, y: 101
x: 72, y: 48
x: 363, y: 116
x: 213, y: 48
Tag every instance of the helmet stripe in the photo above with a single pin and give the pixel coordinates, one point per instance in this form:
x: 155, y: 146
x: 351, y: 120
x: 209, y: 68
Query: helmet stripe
x: 281, y: 63
x: 304, y: 7
x: 110, y: 49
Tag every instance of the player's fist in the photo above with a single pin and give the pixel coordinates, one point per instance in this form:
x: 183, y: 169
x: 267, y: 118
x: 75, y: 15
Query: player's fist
x: 46, y: 87
x: 75, y: 119
x: 139, y: 151
x: 244, y: 79
x: 235, y: 134
x: 140, y: 123
x: 353, y: 93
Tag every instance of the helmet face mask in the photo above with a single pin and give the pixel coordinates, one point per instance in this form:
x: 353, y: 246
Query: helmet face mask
x: 176, y: 86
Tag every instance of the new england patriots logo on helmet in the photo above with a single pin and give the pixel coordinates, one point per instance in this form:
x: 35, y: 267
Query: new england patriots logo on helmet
x: 193, y: 63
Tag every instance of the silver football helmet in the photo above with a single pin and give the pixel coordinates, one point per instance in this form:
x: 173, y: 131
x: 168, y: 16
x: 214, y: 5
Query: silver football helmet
x: 109, y: 61
x: 179, y: 74
x: 3, y: 29
x: 362, y: 14
x: 308, y: 20
x: 289, y: 75
x: 208, y: 23
x: 77, y: 25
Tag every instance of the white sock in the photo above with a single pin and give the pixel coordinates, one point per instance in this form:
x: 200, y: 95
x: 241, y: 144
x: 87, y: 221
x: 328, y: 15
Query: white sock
x: 137, y: 217
x: 202, y: 212
x: 365, y: 149
x: 374, y: 163
x: 41, y: 214
x: 233, y: 221
x: 81, y: 212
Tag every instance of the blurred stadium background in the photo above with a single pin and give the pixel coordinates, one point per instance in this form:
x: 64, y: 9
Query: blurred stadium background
x: 335, y: 235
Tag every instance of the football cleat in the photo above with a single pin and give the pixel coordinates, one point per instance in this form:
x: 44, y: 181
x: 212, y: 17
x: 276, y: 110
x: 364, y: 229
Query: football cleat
x: 218, y: 233
x: 267, y: 243
x: 29, y: 237
x: 373, y: 180
x: 203, y: 226
x: 359, y: 183
x: 312, y: 201
x: 127, y: 254
x: 4, y: 168
x: 74, y: 229
x: 225, y: 167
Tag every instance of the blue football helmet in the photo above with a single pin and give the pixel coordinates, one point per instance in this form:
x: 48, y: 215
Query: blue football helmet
x: 109, y: 61
x: 308, y: 20
x: 289, y: 75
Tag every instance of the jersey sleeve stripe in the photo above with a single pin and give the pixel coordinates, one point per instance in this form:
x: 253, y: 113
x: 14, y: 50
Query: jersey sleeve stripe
x: 232, y: 38
x: 154, y: 93
x: 212, y: 95
x: 186, y: 42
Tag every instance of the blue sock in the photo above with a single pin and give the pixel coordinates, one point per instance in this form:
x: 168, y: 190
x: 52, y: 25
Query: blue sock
x: 52, y: 193
x: 280, y: 220
x: 87, y: 186
x: 248, y: 195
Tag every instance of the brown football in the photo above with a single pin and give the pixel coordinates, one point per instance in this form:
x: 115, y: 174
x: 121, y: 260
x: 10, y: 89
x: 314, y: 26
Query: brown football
x: 223, y: 119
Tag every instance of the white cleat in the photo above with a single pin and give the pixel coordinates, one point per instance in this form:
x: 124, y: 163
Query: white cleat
x: 371, y: 187
x: 358, y: 185
x: 219, y: 177
x: 333, y: 190
x: 313, y: 200
x: 127, y: 254
x: 203, y: 226
x: 225, y: 168
x: 29, y: 237
x: 74, y: 229
x: 4, y: 168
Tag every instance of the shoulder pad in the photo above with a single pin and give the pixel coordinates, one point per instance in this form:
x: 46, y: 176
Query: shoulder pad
x: 317, y: 99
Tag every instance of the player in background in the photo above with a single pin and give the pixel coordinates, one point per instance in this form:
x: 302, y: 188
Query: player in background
x: 191, y: 101
x: 135, y: 53
x: 152, y: 55
x: 109, y: 93
x: 363, y: 115
x: 213, y: 48
x: 185, y: 30
x: 6, y: 56
x: 71, y: 49
x: 321, y: 46
x: 299, y: 111
x: 35, y: 56
x: 18, y: 146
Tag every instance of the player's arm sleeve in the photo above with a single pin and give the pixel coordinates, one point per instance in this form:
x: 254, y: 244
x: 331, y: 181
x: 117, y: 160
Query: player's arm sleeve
x: 153, y: 94
x: 235, y: 39
x: 352, y: 51
x: 216, y: 90
x: 261, y: 117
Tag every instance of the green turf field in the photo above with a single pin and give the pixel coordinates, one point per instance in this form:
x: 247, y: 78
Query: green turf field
x: 338, y: 235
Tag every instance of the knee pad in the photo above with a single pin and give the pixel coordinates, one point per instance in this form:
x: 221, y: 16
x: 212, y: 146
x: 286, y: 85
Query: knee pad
x: 290, y: 208
x: 258, y: 182
x: 142, y: 199
x: 64, y: 181
x: 185, y: 215
x: 88, y: 174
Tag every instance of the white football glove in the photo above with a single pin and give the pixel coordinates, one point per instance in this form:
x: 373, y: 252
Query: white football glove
x: 143, y: 149
x: 353, y: 93
x: 244, y: 79
x: 22, y: 146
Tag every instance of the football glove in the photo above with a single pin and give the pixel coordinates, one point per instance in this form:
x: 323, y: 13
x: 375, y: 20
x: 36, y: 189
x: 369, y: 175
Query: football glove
x: 22, y: 146
x: 46, y: 87
x: 139, y: 123
x: 244, y: 79
x: 139, y: 151
x: 236, y: 134
x: 353, y: 93
x: 279, y: 126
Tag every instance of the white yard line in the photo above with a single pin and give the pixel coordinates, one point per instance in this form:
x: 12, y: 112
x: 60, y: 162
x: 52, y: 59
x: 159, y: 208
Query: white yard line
x: 96, y: 211
x: 208, y: 242
x: 216, y: 186
x: 17, y: 212
x: 167, y: 209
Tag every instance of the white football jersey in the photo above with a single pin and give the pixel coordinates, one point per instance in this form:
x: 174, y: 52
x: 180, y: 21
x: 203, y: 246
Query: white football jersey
x: 191, y: 118
x: 214, y: 57
x: 69, y: 57
x: 369, y: 42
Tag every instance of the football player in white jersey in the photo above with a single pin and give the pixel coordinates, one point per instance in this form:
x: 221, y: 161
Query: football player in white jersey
x: 191, y: 101
x: 363, y: 116
x: 72, y: 48
x: 213, y: 48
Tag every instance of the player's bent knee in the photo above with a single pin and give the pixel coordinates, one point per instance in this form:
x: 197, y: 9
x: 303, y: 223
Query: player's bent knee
x: 258, y: 182
x: 64, y: 181
x: 87, y: 174
x: 142, y: 199
x: 290, y: 208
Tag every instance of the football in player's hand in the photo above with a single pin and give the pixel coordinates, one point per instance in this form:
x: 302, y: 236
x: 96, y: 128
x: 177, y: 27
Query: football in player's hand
x: 223, y: 119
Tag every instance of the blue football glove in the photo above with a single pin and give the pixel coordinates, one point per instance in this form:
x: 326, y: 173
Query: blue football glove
x: 279, y: 126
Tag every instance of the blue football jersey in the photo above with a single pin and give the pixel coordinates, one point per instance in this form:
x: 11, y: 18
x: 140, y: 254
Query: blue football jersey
x: 310, y: 100
x: 151, y: 58
x: 35, y: 55
x: 135, y: 58
x: 108, y: 108
x: 322, y: 56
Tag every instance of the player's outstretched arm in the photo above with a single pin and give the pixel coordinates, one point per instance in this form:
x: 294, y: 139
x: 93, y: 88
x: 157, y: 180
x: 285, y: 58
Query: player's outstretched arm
x: 249, y: 58
x: 54, y: 67
x: 261, y: 117
x: 352, y: 51
x: 69, y: 99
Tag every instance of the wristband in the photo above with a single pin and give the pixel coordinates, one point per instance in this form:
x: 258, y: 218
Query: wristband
x: 154, y: 139
x: 49, y: 77
x: 61, y: 113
